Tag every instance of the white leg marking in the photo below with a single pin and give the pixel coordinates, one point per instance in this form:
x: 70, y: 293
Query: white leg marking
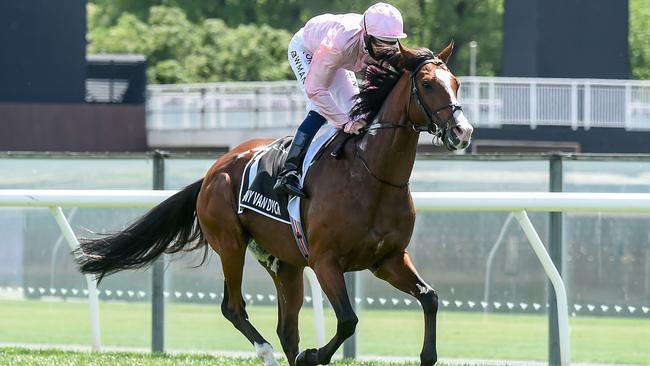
x: 265, y: 353
x: 423, y: 289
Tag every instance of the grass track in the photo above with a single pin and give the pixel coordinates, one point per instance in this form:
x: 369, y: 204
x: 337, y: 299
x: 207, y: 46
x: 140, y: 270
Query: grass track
x: 22, y: 357
x: 390, y: 333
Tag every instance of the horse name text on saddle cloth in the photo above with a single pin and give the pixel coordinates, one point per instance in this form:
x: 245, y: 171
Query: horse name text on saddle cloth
x: 256, y: 192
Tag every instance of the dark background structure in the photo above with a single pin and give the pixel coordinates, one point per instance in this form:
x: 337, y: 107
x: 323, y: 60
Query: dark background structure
x: 55, y: 98
x: 44, y: 73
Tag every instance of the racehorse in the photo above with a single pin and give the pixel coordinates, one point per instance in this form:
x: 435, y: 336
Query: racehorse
x: 358, y: 215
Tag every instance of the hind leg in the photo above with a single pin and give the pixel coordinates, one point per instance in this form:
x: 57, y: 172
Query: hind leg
x: 231, y: 247
x: 233, y: 305
x: 289, y: 284
x: 216, y: 213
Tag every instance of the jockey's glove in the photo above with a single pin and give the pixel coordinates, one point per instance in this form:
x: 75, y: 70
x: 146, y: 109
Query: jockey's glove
x: 353, y: 127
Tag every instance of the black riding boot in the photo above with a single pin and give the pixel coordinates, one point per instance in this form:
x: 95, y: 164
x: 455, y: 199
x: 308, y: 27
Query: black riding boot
x: 289, y: 178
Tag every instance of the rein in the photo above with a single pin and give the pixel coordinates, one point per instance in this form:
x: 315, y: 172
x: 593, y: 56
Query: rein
x: 365, y: 165
x: 431, y: 127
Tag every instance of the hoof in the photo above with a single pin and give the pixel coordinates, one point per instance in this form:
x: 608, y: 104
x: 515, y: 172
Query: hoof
x: 307, y: 357
x: 429, y: 360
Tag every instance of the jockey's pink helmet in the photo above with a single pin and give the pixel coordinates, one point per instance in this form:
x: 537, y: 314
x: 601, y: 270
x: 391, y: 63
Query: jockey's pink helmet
x: 384, y: 21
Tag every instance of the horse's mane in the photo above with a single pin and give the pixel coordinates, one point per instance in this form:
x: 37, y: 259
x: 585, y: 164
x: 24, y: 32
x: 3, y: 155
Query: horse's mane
x: 380, y: 76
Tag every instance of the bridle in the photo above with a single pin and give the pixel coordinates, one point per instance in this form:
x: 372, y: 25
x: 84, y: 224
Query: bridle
x: 439, y: 133
x: 431, y: 127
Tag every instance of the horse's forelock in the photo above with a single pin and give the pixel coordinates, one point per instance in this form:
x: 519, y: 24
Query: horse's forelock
x: 381, y: 76
x: 389, y: 55
x: 403, y: 58
x: 413, y: 57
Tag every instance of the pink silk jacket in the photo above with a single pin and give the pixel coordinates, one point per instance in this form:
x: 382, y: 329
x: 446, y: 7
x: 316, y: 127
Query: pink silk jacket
x: 335, y: 42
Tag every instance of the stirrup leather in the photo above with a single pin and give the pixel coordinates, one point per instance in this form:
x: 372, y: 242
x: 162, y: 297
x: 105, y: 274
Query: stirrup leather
x: 289, y: 173
x: 289, y: 182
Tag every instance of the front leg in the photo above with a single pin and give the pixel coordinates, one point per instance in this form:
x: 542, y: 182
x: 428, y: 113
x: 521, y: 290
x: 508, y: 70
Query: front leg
x: 398, y: 270
x: 330, y: 276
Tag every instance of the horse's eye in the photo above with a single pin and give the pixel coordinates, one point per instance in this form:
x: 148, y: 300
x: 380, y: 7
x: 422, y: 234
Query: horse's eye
x: 426, y: 85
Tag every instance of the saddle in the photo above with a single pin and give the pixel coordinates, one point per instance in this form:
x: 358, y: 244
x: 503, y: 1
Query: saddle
x: 256, y: 192
x: 262, y: 170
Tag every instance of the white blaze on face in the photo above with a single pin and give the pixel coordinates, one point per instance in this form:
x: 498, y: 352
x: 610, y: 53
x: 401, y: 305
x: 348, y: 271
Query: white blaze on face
x: 445, y: 78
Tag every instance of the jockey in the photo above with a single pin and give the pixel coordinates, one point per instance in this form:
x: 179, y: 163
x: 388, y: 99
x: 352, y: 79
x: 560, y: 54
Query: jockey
x: 324, y: 55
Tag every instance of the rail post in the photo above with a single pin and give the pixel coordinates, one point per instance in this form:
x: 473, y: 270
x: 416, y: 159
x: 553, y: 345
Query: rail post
x: 158, y: 271
x: 555, y: 249
x: 350, y: 344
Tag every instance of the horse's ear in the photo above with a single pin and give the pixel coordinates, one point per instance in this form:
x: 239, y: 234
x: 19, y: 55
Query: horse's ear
x: 407, y: 54
x: 405, y: 51
x: 444, y: 54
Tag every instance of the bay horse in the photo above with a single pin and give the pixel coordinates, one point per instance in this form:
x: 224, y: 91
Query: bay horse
x: 358, y: 215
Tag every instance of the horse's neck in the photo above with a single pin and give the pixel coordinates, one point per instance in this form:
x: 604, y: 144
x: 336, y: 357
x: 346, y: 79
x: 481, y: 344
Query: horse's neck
x: 390, y: 152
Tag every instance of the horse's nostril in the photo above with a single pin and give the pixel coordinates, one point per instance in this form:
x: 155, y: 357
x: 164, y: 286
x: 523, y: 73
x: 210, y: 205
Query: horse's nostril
x: 458, y: 131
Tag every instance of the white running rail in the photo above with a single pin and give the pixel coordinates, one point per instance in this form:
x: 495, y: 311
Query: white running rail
x: 516, y: 202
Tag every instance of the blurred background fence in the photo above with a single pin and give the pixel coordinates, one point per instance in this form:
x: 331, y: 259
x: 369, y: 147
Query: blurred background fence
x: 488, y: 102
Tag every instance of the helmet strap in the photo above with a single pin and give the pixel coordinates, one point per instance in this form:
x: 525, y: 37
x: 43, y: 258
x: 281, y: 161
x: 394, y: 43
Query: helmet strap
x: 367, y: 39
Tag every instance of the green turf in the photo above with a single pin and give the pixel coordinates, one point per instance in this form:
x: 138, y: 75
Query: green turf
x: 22, y: 357
x: 390, y: 333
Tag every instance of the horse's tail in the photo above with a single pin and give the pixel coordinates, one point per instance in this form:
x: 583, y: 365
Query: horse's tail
x: 167, y: 228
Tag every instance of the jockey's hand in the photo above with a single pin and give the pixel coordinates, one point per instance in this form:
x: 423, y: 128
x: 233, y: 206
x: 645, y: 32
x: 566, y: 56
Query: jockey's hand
x: 353, y: 127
